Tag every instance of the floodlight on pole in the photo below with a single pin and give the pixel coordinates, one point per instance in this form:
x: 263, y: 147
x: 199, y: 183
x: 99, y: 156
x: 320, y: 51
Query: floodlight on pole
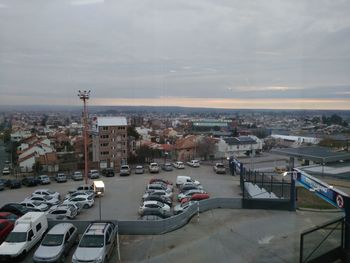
x: 84, y: 96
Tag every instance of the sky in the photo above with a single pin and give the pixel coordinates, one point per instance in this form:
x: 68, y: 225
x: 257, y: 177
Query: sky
x: 200, y: 53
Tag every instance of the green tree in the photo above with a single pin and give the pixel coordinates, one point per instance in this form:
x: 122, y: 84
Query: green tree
x: 132, y: 132
x: 37, y: 167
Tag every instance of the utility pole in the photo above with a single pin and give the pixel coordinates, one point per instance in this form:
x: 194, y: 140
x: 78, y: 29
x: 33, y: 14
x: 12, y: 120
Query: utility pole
x: 84, y: 96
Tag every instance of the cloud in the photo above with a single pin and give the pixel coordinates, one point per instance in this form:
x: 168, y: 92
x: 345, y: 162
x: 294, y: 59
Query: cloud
x: 86, y: 2
x: 264, y: 89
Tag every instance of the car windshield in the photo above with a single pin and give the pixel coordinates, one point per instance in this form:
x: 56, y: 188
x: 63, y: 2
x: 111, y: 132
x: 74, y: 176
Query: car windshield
x: 52, y: 240
x: 46, y: 197
x: 50, y: 192
x: 220, y: 166
x: 15, y: 237
x: 92, y: 241
x: 35, y: 203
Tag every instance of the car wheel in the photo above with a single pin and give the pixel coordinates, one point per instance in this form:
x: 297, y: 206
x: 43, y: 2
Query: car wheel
x: 63, y: 259
x: 23, y: 255
x: 86, y: 206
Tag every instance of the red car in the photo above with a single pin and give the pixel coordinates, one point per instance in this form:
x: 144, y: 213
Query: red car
x: 5, y: 229
x: 195, y: 197
x: 8, y: 216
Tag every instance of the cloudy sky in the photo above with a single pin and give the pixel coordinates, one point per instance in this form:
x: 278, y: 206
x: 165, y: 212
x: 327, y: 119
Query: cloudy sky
x: 202, y: 53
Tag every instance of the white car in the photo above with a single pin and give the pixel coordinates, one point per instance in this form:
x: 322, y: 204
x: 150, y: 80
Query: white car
x: 193, y: 163
x: 179, y: 165
x: 6, y: 171
x: 46, y: 192
x: 35, y: 205
x: 85, y: 201
x: 182, y: 207
x: 159, y: 193
x: 75, y: 206
x: 43, y: 199
x: 154, y: 204
x: 153, y: 168
x: 62, y: 212
x: 84, y: 193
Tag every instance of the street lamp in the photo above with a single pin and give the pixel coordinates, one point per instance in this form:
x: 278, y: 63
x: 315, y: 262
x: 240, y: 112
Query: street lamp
x: 99, y: 194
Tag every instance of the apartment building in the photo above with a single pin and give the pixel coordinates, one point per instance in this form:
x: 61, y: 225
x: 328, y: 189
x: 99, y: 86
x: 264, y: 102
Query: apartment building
x: 109, y: 142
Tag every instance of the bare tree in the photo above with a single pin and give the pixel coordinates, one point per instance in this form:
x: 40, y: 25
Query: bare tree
x: 205, y: 147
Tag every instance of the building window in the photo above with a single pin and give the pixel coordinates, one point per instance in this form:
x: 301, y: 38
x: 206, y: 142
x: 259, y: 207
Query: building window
x: 105, y: 128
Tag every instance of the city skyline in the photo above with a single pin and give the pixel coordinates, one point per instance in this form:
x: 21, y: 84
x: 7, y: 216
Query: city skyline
x: 232, y: 54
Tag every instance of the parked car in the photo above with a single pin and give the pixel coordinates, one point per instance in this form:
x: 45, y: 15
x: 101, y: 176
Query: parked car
x: 28, y: 231
x: 85, y: 187
x: 158, y: 186
x: 61, y: 178
x: 189, y: 193
x: 158, y: 193
x: 139, y: 169
x: 167, y: 167
x: 187, y: 187
x: 179, y: 165
x: 15, y: 208
x: 124, y: 170
x: 85, y: 201
x: 43, y: 199
x: 8, y: 216
x: 44, y: 179
x: 108, y: 172
x: 158, y: 198
x: 88, y: 193
x: 155, y: 212
x: 13, y: 183
x: 62, y: 212
x: 153, y: 168
x: 97, y: 243
x: 46, y: 192
x: 2, y: 185
x: 6, y: 227
x: 181, y: 179
x: 56, y: 244
x: 94, y: 174
x: 154, y: 204
x: 182, y: 207
x: 193, y: 163
x: 195, y: 197
x: 153, y: 180
x: 35, y: 206
x: 6, y: 170
x: 76, y: 206
x: 77, y: 176
x: 30, y: 181
x: 219, y: 168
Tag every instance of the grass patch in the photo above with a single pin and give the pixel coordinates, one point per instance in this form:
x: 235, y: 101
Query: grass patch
x: 307, y: 199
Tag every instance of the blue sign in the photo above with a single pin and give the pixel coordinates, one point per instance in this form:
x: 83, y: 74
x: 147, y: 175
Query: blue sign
x: 325, y: 191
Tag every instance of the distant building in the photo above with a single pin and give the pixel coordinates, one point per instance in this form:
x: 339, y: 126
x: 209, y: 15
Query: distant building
x: 20, y: 135
x: 211, y: 124
x: 109, y: 142
x: 238, y: 146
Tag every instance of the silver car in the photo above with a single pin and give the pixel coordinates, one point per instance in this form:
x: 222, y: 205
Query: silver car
x: 56, y: 244
x: 62, y: 212
x: 97, y: 243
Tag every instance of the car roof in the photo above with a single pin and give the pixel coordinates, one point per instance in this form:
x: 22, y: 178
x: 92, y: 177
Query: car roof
x: 60, y: 228
x: 97, y: 228
x: 42, y: 190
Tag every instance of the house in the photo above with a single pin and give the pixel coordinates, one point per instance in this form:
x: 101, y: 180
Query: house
x: 238, y: 146
x: 186, y: 148
x: 49, y: 162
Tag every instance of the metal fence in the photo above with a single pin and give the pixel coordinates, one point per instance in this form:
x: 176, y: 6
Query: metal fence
x: 322, y: 243
x: 141, y: 227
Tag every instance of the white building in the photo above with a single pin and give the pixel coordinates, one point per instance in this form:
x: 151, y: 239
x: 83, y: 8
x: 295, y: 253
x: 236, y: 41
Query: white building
x: 298, y: 140
x: 238, y: 146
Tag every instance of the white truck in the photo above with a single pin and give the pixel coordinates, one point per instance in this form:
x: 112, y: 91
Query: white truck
x: 181, y: 179
x: 28, y: 231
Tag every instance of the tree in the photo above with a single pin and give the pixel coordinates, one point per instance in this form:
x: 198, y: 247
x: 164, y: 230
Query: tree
x: 205, y: 147
x: 37, y: 167
x: 132, y: 132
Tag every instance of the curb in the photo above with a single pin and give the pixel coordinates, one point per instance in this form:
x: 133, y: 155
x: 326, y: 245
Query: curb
x: 320, y: 210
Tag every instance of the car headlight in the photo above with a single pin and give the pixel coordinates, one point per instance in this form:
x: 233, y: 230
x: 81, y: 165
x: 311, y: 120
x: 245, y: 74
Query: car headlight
x: 99, y: 259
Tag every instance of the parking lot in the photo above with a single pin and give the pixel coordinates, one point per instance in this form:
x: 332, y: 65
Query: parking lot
x: 123, y: 194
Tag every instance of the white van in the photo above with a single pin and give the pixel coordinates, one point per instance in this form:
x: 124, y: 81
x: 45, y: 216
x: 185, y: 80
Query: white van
x: 99, y: 188
x: 28, y: 231
x: 181, y: 179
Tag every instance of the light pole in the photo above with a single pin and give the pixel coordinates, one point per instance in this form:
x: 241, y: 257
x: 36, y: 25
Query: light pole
x: 99, y: 194
x: 293, y: 178
x: 84, y: 96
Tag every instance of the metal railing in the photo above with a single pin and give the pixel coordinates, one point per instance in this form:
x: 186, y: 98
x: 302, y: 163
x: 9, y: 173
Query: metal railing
x: 323, y: 243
